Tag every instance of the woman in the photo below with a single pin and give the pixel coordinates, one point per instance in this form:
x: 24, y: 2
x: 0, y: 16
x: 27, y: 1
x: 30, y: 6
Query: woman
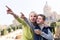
x: 36, y: 28
x: 27, y: 31
x: 32, y: 23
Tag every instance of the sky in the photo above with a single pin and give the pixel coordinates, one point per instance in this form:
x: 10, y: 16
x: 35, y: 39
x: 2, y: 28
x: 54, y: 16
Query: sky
x: 25, y: 6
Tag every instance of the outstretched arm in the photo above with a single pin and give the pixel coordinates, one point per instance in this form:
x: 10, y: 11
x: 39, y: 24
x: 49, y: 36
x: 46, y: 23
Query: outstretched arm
x: 9, y: 11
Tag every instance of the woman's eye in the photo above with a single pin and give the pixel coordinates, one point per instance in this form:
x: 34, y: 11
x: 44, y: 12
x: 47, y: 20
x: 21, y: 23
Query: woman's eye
x: 31, y: 16
x: 34, y: 16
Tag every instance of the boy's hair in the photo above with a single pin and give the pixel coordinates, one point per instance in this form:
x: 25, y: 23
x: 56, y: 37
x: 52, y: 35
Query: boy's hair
x: 42, y: 16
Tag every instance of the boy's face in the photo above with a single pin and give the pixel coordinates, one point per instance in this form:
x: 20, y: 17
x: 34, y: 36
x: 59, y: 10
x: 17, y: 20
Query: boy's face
x: 33, y: 17
x: 40, y: 20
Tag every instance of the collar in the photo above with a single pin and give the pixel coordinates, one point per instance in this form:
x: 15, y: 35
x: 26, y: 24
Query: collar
x: 42, y: 26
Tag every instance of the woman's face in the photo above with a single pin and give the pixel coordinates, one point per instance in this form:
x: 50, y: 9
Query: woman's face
x: 40, y: 20
x: 33, y: 17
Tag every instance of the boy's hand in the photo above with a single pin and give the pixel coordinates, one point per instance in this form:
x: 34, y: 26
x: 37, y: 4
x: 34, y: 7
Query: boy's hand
x: 37, y: 31
x: 22, y: 15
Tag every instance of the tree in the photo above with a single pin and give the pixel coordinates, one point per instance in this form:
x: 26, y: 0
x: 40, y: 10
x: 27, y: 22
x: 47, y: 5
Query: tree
x: 53, y: 25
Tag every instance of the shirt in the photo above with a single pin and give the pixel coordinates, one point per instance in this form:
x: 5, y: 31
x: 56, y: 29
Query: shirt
x: 27, y: 32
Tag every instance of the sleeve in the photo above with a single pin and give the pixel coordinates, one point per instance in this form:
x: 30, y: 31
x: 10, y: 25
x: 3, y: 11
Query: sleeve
x: 21, y: 21
x: 48, y: 36
x: 29, y: 23
x: 26, y: 20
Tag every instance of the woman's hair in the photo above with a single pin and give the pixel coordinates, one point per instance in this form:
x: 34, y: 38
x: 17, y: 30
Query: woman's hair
x: 44, y: 18
x: 33, y: 12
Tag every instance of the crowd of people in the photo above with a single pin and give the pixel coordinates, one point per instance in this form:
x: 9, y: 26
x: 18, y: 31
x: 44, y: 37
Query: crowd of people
x: 34, y: 28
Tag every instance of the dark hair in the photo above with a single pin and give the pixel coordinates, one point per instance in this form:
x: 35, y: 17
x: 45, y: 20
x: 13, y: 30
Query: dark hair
x: 42, y: 16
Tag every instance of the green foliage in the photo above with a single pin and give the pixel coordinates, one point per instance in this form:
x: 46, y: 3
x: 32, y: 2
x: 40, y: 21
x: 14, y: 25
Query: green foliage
x: 58, y: 20
x: 1, y: 32
x: 20, y: 26
x: 9, y: 29
x: 53, y: 25
x: 57, y: 24
x: 4, y: 32
x: 13, y: 28
x: 17, y: 27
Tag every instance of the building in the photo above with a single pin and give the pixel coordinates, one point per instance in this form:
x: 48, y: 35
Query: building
x: 51, y: 16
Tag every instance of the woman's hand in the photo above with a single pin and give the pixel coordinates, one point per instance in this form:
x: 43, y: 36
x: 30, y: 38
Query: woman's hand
x: 9, y: 11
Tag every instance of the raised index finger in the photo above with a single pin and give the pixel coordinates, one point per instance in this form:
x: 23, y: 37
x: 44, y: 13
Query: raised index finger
x: 8, y: 7
x: 21, y: 13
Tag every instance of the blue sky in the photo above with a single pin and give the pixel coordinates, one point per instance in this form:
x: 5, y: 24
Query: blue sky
x: 25, y: 6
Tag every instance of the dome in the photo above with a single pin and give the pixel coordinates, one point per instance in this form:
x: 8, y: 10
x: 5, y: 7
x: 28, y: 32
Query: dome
x: 47, y: 7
